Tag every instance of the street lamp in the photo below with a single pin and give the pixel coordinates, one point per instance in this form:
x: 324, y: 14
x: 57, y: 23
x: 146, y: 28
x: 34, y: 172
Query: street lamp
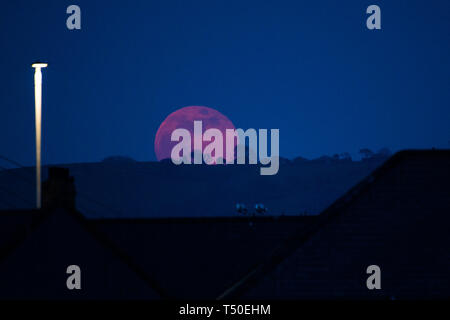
x: 38, y: 117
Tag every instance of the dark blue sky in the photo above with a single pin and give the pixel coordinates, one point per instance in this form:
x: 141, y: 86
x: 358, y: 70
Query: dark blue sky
x: 309, y: 68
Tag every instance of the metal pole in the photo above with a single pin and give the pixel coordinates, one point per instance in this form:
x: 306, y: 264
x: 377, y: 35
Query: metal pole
x: 38, y: 121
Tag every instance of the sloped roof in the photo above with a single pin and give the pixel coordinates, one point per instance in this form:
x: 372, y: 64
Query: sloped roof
x: 198, y: 258
x: 226, y: 257
x: 423, y: 172
x: 16, y: 224
x: 19, y: 229
x: 176, y: 257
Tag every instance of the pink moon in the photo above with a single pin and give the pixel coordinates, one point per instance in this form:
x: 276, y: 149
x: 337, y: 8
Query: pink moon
x: 184, y: 118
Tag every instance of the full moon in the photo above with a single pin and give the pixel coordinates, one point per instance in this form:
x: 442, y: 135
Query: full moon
x: 184, y: 118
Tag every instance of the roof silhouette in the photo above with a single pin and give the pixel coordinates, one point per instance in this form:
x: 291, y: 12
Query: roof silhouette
x: 397, y: 217
x: 410, y: 191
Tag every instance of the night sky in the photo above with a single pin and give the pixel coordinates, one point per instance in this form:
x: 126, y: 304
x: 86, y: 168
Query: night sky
x: 310, y: 68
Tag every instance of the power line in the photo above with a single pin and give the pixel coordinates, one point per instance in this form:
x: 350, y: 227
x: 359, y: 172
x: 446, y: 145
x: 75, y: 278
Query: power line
x: 11, y: 161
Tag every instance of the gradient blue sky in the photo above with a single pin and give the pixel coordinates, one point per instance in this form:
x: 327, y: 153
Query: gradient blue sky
x: 309, y: 68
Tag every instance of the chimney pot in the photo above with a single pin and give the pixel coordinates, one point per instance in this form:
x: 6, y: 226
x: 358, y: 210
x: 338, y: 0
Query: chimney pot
x: 58, y: 190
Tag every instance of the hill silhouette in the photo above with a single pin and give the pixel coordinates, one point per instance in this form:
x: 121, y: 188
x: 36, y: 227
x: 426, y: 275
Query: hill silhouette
x: 122, y: 187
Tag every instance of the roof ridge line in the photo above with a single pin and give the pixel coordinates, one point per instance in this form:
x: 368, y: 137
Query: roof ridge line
x: 98, y: 236
x: 293, y: 241
x: 121, y: 255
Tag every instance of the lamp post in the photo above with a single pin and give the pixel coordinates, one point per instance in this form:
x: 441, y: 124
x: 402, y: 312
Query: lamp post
x: 38, y: 117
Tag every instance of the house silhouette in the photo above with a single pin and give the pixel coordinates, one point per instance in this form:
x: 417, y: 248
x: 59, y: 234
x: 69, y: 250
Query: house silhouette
x: 396, y: 218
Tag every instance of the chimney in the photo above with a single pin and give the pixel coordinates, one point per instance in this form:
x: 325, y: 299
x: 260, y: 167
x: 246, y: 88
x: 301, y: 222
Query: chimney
x: 59, y: 190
